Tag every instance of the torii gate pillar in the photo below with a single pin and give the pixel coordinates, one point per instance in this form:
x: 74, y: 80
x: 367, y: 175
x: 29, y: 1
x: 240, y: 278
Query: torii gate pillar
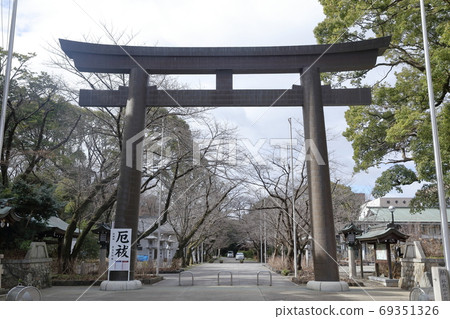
x: 319, y: 188
x: 129, y: 187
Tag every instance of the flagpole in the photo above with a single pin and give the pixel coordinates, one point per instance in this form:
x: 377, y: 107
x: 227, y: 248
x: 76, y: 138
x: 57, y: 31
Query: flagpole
x: 436, y: 147
x: 7, y: 75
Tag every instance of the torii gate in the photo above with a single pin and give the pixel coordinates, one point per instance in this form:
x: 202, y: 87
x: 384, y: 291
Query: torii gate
x: 309, y: 61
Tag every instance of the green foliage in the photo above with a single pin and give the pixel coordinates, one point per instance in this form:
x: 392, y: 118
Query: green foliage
x: 393, y: 177
x: 24, y: 245
x: 425, y: 197
x: 52, y: 154
x: 249, y: 254
x: 396, y: 127
x: 18, y: 236
x: 34, y: 200
x: 34, y: 203
x: 90, y: 247
x: 38, y: 127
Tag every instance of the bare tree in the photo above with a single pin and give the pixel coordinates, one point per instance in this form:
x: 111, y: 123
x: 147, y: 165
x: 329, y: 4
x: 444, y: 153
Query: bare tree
x: 102, y: 143
x: 271, y: 182
x: 273, y: 179
x: 204, y: 195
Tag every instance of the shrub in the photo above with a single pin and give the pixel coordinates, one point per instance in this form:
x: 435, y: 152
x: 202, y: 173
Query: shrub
x: 278, y: 263
x: 285, y: 272
x: 249, y: 254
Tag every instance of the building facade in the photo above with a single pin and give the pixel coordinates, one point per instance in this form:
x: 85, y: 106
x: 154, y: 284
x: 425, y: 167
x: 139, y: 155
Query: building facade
x: 148, y: 247
x: 422, y: 225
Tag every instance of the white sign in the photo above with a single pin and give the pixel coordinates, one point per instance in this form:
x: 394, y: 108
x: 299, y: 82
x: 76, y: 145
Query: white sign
x: 120, y: 249
x: 381, y: 252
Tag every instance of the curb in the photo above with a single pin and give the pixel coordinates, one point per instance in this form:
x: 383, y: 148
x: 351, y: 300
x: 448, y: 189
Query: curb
x: 146, y: 281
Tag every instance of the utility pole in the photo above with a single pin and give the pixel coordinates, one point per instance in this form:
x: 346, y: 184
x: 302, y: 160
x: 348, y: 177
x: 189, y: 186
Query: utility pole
x: 261, y: 236
x: 265, y: 233
x: 294, y: 232
x: 7, y: 75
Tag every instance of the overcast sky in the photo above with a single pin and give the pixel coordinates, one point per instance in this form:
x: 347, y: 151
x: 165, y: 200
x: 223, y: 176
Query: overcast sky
x: 198, y: 23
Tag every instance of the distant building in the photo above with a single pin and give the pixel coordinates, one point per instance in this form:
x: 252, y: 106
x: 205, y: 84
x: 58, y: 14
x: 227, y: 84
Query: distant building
x: 147, y: 247
x: 425, y: 224
x: 8, y: 215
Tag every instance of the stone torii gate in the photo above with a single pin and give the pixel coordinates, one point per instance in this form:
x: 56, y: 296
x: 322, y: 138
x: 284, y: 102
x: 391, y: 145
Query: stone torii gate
x: 309, y: 61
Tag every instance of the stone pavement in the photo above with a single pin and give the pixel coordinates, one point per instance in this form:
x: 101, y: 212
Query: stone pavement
x: 206, y: 288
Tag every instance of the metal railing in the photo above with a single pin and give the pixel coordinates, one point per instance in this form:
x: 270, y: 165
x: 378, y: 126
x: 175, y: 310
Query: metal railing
x: 185, y: 272
x: 226, y: 272
x: 222, y: 272
x: 265, y: 272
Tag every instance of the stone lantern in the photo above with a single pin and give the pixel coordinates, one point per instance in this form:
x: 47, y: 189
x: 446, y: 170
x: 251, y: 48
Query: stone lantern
x: 103, y: 230
x: 350, y: 232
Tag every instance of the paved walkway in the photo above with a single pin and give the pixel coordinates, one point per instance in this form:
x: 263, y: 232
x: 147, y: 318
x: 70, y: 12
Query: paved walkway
x: 206, y: 288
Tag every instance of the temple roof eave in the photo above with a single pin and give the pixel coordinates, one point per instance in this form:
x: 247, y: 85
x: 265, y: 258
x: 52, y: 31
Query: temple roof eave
x: 382, y: 235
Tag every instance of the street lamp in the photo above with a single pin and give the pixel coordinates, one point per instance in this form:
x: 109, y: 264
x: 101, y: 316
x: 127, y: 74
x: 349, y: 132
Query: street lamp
x: 392, y: 209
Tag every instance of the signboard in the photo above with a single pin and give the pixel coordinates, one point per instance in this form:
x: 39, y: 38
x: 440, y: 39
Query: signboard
x: 441, y: 285
x: 120, y: 249
x: 443, y: 280
x: 381, y: 252
x: 142, y: 258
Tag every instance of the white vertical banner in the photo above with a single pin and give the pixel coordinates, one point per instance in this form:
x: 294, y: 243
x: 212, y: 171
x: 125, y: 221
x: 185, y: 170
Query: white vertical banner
x: 120, y: 249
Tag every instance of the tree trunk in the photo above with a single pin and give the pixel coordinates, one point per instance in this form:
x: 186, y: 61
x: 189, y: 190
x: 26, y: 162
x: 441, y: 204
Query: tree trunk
x: 179, y: 254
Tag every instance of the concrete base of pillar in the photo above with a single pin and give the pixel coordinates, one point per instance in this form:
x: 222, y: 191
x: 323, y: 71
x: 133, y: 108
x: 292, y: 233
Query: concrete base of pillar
x: 328, y: 286
x: 108, y: 285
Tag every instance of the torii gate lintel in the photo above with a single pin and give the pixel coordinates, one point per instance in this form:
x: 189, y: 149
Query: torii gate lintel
x: 225, y: 98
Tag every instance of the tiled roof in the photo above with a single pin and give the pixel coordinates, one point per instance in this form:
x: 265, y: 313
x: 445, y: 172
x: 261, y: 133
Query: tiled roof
x: 382, y: 234
x: 403, y: 215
